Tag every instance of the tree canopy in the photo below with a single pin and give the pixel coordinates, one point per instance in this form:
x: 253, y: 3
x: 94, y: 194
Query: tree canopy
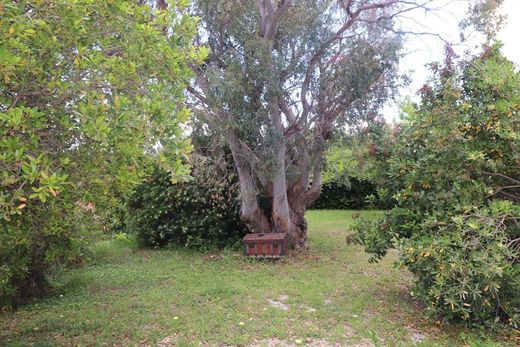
x: 281, y: 78
x: 88, y: 89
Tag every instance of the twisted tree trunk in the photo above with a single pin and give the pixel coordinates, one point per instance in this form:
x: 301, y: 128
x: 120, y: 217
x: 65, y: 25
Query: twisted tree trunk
x: 288, y: 200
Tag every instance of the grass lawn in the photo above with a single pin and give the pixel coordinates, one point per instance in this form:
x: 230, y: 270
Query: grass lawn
x: 329, y: 295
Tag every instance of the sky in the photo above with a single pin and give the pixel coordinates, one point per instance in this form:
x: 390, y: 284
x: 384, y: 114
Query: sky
x: 424, y: 49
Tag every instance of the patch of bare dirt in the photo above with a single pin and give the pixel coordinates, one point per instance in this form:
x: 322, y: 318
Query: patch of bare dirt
x: 349, y: 332
x: 168, y: 341
x: 280, y: 303
x: 274, y: 342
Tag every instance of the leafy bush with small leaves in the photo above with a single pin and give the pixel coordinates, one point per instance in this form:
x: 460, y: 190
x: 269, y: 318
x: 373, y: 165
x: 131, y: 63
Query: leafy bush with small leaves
x: 355, y: 170
x: 378, y: 236
x: 467, y: 268
x: 345, y: 196
x: 56, y: 233
x: 202, y: 213
x: 88, y: 89
x: 457, y: 220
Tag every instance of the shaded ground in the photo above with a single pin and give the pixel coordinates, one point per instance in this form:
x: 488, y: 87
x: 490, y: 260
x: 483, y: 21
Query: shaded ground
x: 327, y: 296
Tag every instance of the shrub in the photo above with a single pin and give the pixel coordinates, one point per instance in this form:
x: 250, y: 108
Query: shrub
x: 87, y: 90
x: 355, y: 172
x: 32, y: 244
x: 466, y: 269
x: 202, y: 213
x: 344, y: 196
x: 457, y: 218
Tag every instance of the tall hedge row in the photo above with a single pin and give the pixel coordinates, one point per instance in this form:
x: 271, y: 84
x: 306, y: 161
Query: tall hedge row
x: 355, y: 195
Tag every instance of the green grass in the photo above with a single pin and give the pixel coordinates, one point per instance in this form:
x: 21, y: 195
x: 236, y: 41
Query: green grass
x: 182, y: 298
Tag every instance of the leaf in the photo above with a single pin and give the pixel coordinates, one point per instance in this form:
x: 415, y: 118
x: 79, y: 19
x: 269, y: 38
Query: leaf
x: 21, y: 206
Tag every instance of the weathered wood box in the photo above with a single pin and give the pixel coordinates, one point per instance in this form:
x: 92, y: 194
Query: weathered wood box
x: 271, y: 245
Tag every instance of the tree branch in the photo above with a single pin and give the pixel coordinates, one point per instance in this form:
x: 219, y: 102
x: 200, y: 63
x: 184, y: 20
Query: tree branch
x: 496, y: 174
x: 270, y: 18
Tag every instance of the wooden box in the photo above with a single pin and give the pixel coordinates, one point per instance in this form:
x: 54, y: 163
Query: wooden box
x: 271, y: 245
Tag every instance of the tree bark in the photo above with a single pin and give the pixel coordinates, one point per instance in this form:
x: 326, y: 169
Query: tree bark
x: 288, y: 202
x: 250, y: 211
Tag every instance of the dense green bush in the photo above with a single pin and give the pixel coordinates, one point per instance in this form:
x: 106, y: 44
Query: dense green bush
x: 465, y: 268
x: 54, y: 234
x: 355, y: 172
x: 202, y: 213
x: 87, y: 90
x: 344, y: 196
x: 457, y: 223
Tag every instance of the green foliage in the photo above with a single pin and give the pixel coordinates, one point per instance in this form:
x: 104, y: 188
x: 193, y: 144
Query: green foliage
x: 355, y: 174
x: 362, y: 155
x: 88, y: 89
x: 203, y: 213
x: 465, y: 268
x: 344, y: 196
x: 381, y: 235
x: 456, y: 167
x: 50, y: 234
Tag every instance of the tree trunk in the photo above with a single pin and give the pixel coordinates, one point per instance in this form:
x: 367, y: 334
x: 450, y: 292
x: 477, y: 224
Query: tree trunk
x: 250, y: 212
x: 298, y: 235
x: 33, y: 285
x: 288, y: 204
x: 287, y: 92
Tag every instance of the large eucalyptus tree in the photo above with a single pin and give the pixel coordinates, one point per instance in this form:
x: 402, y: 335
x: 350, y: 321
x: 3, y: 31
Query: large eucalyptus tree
x: 281, y: 78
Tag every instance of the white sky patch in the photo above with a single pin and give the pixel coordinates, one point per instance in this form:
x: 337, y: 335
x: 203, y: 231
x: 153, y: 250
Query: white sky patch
x: 424, y: 49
